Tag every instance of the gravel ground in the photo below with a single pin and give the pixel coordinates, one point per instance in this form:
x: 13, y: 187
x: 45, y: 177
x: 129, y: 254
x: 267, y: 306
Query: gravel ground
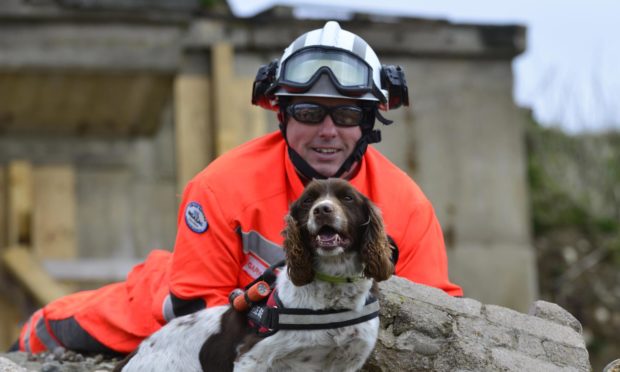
x: 58, y: 361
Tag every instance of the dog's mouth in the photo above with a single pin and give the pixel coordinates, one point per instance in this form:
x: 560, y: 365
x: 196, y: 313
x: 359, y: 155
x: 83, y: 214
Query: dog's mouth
x: 329, y: 238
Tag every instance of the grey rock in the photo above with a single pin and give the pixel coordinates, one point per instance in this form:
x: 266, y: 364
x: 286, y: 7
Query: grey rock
x: 423, y: 329
x: 50, y: 367
x: 511, y: 361
x: 536, y: 326
x: 555, y: 313
x: 531, y: 346
x: 7, y: 365
x: 566, y: 355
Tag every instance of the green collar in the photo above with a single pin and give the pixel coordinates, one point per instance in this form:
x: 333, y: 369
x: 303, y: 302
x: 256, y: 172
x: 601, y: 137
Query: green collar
x: 337, y: 279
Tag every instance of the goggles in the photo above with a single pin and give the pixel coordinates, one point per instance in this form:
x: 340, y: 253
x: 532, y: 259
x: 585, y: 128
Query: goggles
x: 350, y: 74
x: 314, y: 113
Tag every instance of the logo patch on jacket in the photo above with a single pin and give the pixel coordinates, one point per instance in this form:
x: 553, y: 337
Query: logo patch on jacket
x: 195, y: 218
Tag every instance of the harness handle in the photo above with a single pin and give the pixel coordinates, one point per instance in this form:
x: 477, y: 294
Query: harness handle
x: 242, y: 300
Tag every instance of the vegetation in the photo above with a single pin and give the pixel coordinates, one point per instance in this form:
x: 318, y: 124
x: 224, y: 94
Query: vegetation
x: 575, y: 195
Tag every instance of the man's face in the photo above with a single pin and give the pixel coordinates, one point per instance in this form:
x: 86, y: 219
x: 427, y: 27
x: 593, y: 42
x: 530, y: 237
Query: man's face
x: 324, y: 146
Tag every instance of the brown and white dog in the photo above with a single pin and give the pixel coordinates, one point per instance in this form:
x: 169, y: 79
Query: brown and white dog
x: 336, y: 247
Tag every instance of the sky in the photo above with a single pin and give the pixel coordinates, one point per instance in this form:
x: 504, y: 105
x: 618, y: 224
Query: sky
x: 569, y: 74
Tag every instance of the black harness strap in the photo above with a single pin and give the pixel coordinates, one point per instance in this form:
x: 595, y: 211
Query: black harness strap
x: 268, y: 319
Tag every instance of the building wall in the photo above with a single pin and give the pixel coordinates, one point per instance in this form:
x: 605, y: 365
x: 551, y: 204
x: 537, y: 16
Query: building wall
x: 461, y: 139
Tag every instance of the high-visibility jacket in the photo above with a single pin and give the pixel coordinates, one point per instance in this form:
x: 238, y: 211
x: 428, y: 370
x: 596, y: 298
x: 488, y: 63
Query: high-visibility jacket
x: 229, y: 230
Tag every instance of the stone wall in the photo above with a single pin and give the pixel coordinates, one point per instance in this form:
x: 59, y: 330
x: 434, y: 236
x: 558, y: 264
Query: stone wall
x: 423, y: 329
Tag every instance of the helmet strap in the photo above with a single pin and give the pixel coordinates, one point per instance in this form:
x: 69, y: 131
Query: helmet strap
x: 382, y: 119
x: 302, y: 166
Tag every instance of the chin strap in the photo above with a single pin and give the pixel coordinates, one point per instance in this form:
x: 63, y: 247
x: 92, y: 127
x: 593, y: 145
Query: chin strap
x: 372, y: 136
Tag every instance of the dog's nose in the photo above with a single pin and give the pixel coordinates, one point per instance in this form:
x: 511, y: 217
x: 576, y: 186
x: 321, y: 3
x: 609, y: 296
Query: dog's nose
x: 323, y: 209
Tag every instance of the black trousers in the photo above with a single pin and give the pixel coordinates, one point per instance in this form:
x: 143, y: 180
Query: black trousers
x: 14, y: 347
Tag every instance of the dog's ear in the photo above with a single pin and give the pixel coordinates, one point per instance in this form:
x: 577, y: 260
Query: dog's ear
x: 376, y: 250
x: 298, y: 257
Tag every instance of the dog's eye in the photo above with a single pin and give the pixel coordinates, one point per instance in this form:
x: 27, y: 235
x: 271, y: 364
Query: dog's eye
x: 306, y: 202
x: 347, y: 198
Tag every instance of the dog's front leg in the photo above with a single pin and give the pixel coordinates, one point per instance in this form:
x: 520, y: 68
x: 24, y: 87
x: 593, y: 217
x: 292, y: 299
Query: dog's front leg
x: 267, y: 354
x: 256, y: 359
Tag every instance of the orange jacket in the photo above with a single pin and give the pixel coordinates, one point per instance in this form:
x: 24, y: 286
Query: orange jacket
x: 229, y: 230
x: 245, y: 194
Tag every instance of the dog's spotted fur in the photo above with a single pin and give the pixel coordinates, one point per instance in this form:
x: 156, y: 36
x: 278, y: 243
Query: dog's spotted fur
x: 331, y: 229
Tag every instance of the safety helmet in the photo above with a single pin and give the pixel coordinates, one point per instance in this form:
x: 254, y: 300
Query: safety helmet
x: 330, y: 62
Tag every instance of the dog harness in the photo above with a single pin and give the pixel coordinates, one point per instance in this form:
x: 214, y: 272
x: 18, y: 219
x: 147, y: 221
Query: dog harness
x: 270, y: 315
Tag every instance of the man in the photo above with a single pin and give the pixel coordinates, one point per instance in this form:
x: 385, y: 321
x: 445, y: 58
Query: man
x: 327, y: 88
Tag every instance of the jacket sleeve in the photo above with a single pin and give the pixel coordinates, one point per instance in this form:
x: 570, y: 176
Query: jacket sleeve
x: 422, y: 253
x: 207, y: 254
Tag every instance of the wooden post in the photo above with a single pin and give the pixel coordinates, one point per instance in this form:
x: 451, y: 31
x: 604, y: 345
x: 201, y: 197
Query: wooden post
x: 193, y: 125
x: 17, y: 255
x: 54, y: 212
x: 19, y: 203
x: 3, y: 209
x: 8, y: 312
x: 9, y: 322
x: 236, y: 119
x: 222, y: 66
x: 17, y: 223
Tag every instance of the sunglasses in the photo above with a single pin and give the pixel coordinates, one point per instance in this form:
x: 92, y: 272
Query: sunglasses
x: 314, y: 113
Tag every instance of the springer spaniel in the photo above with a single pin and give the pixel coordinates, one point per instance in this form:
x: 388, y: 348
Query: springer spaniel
x: 335, y: 246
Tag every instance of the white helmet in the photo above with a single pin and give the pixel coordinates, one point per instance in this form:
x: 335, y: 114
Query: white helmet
x: 330, y: 62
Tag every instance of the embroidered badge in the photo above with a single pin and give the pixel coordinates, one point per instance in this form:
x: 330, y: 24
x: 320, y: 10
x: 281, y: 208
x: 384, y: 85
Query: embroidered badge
x: 195, y: 218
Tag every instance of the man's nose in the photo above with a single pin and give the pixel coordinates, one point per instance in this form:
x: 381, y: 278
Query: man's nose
x: 327, y: 127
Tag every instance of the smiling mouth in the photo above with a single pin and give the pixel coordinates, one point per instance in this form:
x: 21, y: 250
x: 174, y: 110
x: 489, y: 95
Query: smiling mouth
x: 323, y: 150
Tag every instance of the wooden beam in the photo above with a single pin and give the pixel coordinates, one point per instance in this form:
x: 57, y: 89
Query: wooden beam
x: 9, y: 315
x: 222, y: 67
x: 54, y: 224
x: 193, y: 125
x: 236, y: 119
x: 29, y: 272
x: 3, y: 209
x: 9, y: 322
x: 20, y: 203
